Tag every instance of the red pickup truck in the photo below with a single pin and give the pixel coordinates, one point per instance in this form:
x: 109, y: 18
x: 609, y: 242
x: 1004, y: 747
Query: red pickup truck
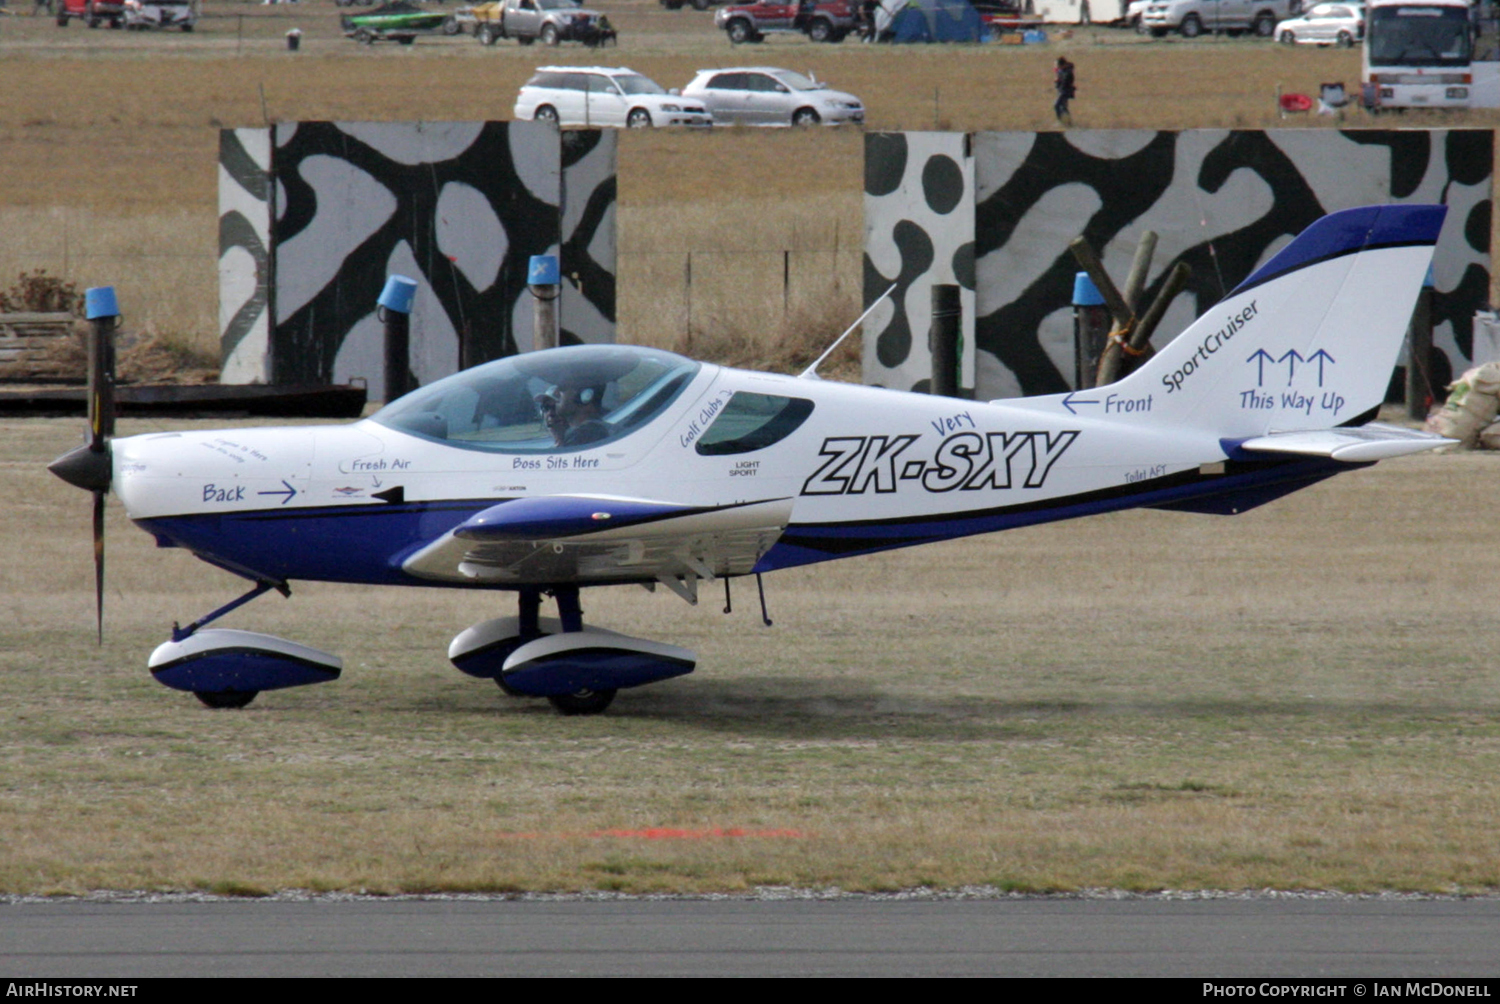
x: 91, y: 12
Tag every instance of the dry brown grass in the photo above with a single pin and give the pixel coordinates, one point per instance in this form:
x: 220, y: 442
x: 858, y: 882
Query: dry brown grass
x: 117, y: 183
x: 1301, y: 697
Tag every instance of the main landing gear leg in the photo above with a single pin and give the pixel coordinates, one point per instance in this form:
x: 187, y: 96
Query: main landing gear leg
x: 584, y: 701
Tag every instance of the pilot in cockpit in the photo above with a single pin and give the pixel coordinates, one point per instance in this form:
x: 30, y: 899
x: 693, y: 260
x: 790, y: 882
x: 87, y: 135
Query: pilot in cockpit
x: 574, y: 415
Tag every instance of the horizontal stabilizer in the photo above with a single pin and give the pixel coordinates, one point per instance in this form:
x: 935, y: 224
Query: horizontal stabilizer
x: 1359, y: 445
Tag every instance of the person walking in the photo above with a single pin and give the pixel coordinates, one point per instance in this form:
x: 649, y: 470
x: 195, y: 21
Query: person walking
x: 1064, y: 82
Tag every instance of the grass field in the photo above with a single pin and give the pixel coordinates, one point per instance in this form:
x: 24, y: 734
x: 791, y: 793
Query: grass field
x: 1305, y: 696
x: 110, y: 139
x: 1302, y: 697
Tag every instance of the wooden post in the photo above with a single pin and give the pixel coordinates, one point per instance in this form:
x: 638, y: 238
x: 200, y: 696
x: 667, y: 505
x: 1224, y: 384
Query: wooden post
x: 395, y: 310
x: 1090, y: 330
x: 544, y: 279
x: 942, y: 339
x: 1419, y: 390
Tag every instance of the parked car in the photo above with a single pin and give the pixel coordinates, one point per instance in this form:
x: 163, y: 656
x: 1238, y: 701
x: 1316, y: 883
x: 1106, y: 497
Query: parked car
x: 1340, y: 24
x: 91, y: 12
x: 145, y: 15
x: 1192, y: 18
x: 605, y: 96
x: 765, y: 95
x: 819, y: 20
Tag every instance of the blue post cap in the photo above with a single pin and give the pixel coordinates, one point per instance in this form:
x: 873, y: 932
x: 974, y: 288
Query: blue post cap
x: 398, y: 294
x: 100, y: 302
x: 544, y: 271
x: 1085, y: 293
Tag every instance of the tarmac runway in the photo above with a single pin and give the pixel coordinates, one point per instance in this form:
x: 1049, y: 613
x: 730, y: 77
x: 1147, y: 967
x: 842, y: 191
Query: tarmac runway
x: 1255, y: 936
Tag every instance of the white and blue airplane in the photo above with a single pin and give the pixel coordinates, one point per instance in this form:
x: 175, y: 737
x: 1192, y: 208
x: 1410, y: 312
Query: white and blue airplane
x: 610, y: 465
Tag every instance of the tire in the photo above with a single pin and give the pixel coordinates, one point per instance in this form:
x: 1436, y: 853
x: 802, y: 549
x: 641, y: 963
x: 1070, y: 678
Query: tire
x: 485, y: 34
x: 1265, y: 26
x: 672, y: 4
x: 550, y: 35
x: 545, y: 113
x: 363, y: 37
x: 62, y: 20
x: 638, y: 118
x: 820, y: 30
x: 524, y: 39
x: 407, y: 39
x: 739, y: 31
x: 1191, y: 26
x: 1344, y: 40
x: 451, y: 25
x: 805, y: 117
x: 584, y: 702
x: 187, y: 27
x: 230, y: 698
x: 1287, y: 38
x: 115, y: 24
x: 700, y: 4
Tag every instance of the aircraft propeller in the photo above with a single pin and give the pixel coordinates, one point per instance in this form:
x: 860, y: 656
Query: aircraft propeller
x: 91, y: 466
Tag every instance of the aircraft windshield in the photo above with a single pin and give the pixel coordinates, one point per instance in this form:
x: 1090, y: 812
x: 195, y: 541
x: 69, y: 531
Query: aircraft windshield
x: 1419, y: 36
x: 545, y: 402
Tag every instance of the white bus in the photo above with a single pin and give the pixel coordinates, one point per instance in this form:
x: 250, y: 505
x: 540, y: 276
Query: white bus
x: 1430, y: 54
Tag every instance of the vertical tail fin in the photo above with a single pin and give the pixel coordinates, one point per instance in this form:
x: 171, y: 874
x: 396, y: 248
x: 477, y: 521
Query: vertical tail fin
x: 1306, y: 342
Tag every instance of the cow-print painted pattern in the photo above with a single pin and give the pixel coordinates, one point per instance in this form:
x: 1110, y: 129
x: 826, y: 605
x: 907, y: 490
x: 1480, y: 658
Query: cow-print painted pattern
x: 1222, y: 201
x: 460, y: 207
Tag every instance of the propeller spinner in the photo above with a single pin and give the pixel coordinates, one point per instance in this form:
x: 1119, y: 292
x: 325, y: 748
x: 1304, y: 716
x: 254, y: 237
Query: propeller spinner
x: 90, y: 466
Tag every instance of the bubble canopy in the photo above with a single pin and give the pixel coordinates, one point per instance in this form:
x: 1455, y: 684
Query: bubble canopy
x: 555, y: 401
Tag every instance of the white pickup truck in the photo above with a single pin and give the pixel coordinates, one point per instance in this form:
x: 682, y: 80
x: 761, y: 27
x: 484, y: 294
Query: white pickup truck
x: 1192, y: 18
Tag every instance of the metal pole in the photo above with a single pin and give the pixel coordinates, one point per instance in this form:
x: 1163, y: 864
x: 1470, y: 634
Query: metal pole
x: 942, y: 340
x: 395, y: 310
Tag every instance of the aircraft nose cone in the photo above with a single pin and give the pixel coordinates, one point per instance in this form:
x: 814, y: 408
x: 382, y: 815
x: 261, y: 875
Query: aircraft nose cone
x: 85, y: 468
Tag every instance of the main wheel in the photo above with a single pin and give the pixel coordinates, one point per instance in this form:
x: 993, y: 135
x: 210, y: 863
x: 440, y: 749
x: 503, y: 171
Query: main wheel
x: 546, y: 113
x: 582, y: 702
x: 805, y: 117
x: 820, y: 30
x: 639, y: 118
x: 1191, y: 26
x: 739, y: 31
x: 550, y: 35
x: 229, y: 698
x: 1265, y: 26
x: 1287, y: 38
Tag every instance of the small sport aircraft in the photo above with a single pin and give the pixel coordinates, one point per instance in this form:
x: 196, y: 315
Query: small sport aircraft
x: 610, y: 465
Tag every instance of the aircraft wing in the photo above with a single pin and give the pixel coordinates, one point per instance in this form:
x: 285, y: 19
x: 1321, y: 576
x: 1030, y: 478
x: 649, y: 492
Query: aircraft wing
x: 603, y: 538
x: 1353, y: 445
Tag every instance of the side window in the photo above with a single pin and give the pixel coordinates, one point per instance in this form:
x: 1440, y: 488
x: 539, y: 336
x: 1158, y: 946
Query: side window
x: 574, y: 81
x: 753, y: 422
x: 725, y: 82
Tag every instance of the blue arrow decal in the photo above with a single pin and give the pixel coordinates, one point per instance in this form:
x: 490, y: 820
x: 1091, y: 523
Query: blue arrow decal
x: 1321, y: 356
x: 1291, y: 368
x: 1260, y: 357
x: 1069, y: 400
x: 290, y: 493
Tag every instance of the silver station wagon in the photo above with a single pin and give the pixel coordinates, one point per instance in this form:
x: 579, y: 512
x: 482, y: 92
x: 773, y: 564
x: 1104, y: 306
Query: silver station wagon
x: 605, y: 96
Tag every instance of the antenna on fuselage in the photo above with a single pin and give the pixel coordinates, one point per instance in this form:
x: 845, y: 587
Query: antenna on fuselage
x: 811, y: 373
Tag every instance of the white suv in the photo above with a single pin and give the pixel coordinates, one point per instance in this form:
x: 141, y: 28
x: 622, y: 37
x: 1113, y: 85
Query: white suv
x: 604, y: 96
